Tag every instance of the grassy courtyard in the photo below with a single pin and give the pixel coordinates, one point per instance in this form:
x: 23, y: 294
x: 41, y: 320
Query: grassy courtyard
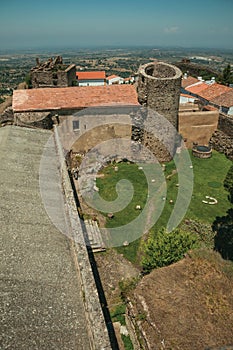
x: 209, y: 175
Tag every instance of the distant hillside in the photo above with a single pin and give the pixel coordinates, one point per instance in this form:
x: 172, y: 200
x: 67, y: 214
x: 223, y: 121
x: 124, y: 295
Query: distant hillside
x: 187, y: 305
x: 198, y: 70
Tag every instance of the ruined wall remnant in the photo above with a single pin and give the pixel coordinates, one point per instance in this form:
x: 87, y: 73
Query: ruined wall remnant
x: 53, y: 73
x: 222, y: 139
x: 159, y: 89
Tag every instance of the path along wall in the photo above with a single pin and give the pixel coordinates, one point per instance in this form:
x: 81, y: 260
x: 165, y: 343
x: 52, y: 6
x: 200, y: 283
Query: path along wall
x: 94, y: 315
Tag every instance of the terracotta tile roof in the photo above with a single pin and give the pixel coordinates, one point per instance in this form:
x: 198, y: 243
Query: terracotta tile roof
x: 196, y: 89
x: 213, y: 91
x: 91, y: 75
x: 210, y: 108
x: 225, y: 99
x: 112, y: 77
x: 188, y: 96
x: 189, y: 81
x: 73, y: 97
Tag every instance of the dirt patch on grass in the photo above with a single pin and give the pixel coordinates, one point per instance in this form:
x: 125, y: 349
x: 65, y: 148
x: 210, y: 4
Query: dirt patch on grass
x: 188, y: 305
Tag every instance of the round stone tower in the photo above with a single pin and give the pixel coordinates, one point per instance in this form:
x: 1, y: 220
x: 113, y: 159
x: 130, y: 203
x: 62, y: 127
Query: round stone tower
x: 159, y: 89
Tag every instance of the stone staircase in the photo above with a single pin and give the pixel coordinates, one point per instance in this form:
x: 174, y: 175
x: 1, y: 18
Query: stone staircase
x: 93, y: 236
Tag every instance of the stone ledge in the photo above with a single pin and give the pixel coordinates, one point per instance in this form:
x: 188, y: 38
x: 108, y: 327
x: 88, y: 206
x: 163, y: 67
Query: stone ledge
x: 94, y: 316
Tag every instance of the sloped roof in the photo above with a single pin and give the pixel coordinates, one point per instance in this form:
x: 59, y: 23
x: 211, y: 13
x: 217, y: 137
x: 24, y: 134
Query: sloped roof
x: 188, y: 96
x: 196, y: 89
x: 213, y: 91
x: 113, y: 76
x: 73, y: 97
x: 91, y: 75
x: 225, y: 99
x: 210, y: 108
x: 188, y: 81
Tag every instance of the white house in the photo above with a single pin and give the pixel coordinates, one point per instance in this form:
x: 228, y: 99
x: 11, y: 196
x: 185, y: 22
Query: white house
x: 114, y: 79
x: 91, y: 78
x: 185, y: 98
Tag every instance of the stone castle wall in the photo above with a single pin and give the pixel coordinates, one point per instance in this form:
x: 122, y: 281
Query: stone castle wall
x: 98, y: 332
x: 222, y: 139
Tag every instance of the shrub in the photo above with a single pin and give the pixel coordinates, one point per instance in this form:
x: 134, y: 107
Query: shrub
x: 164, y: 248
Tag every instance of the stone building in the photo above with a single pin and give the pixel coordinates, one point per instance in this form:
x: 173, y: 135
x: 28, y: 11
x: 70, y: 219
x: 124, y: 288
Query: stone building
x: 53, y: 73
x: 158, y: 88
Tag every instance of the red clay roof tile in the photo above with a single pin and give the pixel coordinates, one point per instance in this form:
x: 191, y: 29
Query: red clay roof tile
x: 225, y: 99
x: 213, y: 91
x: 196, y: 89
x: 113, y: 76
x: 91, y: 75
x: 189, y: 81
x: 73, y: 97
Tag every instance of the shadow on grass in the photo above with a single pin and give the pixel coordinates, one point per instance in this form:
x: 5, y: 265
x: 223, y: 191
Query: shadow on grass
x: 223, y: 240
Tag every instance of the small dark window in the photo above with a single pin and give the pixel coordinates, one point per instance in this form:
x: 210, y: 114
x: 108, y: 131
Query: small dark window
x: 75, y: 124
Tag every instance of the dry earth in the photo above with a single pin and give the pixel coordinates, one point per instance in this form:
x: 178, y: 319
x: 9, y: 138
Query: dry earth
x: 188, y: 305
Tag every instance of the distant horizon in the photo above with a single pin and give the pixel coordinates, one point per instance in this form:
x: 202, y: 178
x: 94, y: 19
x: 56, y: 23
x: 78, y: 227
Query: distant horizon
x: 109, y: 47
x: 54, y: 25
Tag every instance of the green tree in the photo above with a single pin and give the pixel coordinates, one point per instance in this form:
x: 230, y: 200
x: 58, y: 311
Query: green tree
x: 28, y: 81
x: 164, y: 248
x: 228, y: 183
x: 227, y: 76
x: 223, y: 226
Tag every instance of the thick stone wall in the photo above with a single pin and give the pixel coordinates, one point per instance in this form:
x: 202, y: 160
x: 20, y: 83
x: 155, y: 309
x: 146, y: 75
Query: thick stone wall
x: 94, y: 316
x: 94, y: 129
x: 225, y: 124
x: 222, y: 139
x: 159, y: 89
x: 222, y: 143
x: 53, y: 78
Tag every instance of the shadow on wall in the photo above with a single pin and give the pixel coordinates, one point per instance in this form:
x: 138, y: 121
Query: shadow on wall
x: 223, y: 226
x: 223, y: 241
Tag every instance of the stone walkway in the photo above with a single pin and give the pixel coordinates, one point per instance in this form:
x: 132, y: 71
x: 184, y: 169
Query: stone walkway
x: 42, y: 305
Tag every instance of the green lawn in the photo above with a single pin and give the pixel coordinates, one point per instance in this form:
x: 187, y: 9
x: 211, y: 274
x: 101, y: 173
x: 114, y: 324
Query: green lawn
x: 108, y: 190
x: 209, y: 175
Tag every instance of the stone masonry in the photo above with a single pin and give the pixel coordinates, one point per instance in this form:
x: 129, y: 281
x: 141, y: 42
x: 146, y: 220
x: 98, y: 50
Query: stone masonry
x: 222, y: 139
x: 159, y: 90
x: 53, y: 73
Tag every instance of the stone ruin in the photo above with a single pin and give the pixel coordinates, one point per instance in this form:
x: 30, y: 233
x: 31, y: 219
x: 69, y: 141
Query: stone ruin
x: 52, y: 73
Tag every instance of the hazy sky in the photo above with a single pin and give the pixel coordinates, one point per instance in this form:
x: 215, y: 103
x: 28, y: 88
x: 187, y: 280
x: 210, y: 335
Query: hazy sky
x: 74, y: 23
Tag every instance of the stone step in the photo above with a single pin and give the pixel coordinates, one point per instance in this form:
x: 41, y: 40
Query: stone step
x: 94, y: 235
